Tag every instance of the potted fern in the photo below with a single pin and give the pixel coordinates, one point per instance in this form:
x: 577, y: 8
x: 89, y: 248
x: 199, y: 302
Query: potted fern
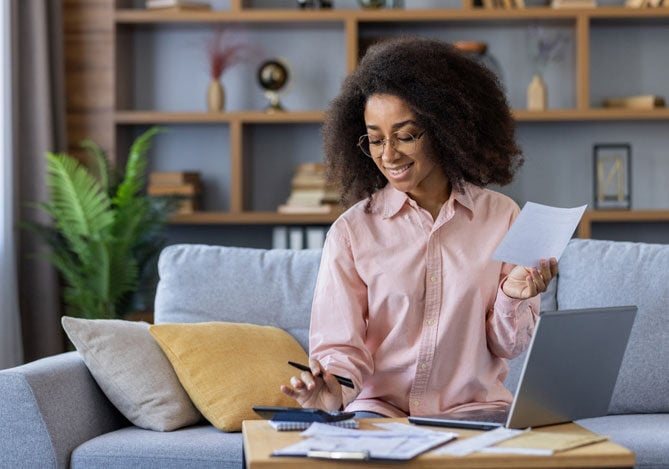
x: 106, y: 232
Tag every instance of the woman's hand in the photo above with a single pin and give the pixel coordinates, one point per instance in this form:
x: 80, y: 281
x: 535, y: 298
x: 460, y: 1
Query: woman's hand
x: 526, y: 282
x: 316, y: 389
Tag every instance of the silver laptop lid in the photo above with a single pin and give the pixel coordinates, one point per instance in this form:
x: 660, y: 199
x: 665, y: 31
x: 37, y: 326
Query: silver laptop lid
x: 571, y: 366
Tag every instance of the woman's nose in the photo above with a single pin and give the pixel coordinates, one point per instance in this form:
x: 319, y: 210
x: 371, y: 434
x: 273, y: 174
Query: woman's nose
x: 389, y: 152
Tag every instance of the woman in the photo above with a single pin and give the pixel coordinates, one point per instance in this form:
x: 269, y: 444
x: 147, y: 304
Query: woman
x: 409, y: 303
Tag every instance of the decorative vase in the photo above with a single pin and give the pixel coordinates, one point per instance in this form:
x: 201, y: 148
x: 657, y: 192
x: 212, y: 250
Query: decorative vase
x: 537, y: 95
x: 215, y: 96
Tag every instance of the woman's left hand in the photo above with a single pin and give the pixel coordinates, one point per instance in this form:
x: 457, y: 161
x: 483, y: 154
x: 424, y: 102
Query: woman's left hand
x: 526, y: 282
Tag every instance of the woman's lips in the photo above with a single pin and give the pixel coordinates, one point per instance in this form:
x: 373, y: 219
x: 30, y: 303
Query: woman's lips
x: 398, y: 171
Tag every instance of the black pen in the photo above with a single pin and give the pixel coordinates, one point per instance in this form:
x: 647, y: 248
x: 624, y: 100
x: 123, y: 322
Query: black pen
x: 343, y: 381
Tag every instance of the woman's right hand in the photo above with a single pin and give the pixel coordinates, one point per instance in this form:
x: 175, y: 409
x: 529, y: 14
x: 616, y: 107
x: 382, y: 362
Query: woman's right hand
x: 317, y: 389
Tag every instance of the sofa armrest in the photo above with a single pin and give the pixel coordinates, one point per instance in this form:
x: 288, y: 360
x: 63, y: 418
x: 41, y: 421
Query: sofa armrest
x: 48, y: 408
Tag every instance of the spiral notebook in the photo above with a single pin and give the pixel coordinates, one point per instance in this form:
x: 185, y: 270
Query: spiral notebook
x: 283, y: 425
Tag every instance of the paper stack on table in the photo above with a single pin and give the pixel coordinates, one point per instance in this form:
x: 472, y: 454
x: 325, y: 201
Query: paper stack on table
x: 395, y: 441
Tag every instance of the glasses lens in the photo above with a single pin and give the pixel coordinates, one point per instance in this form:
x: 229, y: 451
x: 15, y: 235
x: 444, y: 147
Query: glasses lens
x: 363, y: 143
x: 402, y: 142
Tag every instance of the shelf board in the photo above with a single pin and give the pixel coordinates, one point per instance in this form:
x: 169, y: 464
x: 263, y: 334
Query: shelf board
x: 626, y: 215
x: 316, y: 117
x: 619, y: 216
x: 141, y: 16
x: 251, y: 117
x: 593, y: 114
x: 253, y: 218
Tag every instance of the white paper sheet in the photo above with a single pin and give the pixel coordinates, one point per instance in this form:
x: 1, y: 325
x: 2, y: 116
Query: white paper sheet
x: 398, y: 442
x: 478, y: 442
x: 539, y: 232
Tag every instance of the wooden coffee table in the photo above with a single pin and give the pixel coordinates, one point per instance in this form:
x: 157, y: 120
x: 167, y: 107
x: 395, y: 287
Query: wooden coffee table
x: 260, y: 439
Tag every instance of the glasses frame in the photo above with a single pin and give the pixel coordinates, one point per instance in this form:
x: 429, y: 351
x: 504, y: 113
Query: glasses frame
x: 386, y: 140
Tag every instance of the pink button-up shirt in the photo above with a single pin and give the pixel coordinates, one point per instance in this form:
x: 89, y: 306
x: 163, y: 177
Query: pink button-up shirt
x: 412, y: 309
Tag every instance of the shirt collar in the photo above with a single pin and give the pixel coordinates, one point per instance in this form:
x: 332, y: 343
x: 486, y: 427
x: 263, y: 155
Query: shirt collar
x: 390, y: 201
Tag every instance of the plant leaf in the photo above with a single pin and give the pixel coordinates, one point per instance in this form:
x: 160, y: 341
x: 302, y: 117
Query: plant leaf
x: 133, y: 180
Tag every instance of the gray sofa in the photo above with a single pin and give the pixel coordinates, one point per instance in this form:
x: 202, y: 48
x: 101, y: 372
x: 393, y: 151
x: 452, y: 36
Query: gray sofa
x: 52, y: 413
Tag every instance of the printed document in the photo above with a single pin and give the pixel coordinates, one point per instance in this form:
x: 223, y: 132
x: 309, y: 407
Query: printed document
x: 539, y: 232
x: 394, y: 441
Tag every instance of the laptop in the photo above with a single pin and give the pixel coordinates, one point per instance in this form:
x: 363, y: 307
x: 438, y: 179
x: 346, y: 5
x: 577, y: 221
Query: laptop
x: 570, y: 371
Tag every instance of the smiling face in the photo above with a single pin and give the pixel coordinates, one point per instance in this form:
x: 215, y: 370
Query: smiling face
x: 415, y: 174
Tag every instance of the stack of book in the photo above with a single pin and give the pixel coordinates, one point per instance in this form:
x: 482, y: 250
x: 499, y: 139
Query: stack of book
x: 184, y: 185
x: 574, y: 3
x: 310, y: 193
x: 500, y: 4
x: 647, y: 101
x: 177, y: 5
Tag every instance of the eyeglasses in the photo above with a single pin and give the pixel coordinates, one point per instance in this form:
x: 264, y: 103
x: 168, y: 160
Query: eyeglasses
x: 401, y: 141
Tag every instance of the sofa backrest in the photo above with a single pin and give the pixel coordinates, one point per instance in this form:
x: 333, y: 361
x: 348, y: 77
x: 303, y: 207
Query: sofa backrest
x: 596, y: 273
x: 275, y: 287
x: 201, y: 283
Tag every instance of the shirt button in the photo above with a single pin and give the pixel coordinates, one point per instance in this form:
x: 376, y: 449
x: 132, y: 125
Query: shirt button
x: 423, y: 366
x: 433, y: 278
x: 430, y: 322
x: 416, y: 403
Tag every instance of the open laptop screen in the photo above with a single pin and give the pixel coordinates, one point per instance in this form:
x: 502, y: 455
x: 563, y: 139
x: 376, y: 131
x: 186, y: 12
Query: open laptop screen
x: 569, y: 373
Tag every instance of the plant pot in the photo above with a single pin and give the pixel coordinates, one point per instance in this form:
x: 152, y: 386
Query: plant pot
x: 215, y: 96
x: 537, y: 94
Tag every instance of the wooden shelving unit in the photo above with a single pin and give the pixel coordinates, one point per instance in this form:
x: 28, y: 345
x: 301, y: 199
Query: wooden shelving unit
x: 118, y: 19
x: 592, y: 217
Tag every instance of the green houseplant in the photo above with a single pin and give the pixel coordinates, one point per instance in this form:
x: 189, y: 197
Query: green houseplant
x: 106, y: 232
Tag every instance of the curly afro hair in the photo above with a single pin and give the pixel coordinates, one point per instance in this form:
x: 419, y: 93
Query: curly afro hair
x: 458, y: 102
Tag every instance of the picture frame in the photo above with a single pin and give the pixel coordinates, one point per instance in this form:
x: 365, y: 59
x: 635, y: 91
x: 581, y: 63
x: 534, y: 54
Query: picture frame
x: 612, y: 176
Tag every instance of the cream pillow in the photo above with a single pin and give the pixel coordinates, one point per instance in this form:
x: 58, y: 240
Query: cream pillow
x: 133, y: 372
x: 227, y: 368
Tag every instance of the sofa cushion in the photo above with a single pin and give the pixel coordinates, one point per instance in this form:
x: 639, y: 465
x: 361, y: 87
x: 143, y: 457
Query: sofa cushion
x: 227, y: 368
x: 198, y: 447
x: 133, y: 372
x: 644, y: 434
x: 201, y: 283
x: 606, y: 273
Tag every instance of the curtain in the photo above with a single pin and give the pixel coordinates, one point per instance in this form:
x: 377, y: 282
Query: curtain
x: 39, y: 115
x: 10, y: 332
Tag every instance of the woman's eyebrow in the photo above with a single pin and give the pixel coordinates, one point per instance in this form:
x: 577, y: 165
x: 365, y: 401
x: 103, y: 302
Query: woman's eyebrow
x: 397, y: 125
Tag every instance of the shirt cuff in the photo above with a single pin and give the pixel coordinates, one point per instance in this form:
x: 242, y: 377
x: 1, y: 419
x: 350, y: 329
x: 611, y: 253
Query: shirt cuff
x: 508, y: 306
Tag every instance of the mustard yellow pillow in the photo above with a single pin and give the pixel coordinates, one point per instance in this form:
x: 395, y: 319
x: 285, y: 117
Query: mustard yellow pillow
x: 227, y: 368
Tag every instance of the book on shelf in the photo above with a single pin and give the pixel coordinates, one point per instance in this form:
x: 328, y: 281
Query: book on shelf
x: 177, y: 5
x: 646, y: 3
x: 573, y: 4
x: 647, y: 101
x: 174, y: 177
x: 187, y: 205
x: 324, y: 209
x: 187, y: 189
x: 503, y: 4
x: 185, y: 186
x: 310, y: 192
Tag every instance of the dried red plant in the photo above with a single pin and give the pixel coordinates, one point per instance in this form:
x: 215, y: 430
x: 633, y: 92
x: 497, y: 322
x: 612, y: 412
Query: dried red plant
x: 226, y: 50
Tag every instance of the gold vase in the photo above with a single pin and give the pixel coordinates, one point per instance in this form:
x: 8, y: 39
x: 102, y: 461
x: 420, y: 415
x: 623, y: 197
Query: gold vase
x: 537, y: 94
x: 215, y: 96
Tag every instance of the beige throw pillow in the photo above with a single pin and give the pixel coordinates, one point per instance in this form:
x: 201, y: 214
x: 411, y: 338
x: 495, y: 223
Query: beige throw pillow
x: 133, y: 372
x: 227, y: 368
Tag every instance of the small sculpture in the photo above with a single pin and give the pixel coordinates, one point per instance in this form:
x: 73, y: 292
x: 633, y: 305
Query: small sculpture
x: 273, y: 75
